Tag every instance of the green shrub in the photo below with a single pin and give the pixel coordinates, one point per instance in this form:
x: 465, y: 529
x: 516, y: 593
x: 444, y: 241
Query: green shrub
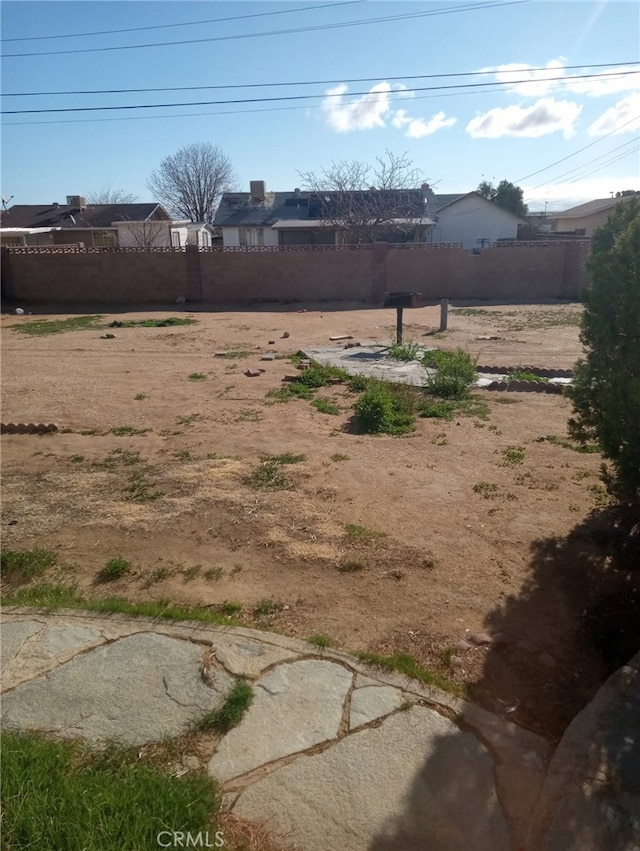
x: 320, y: 376
x: 25, y: 564
x: 114, y: 569
x: 454, y: 373
x: 386, y: 408
x: 326, y: 407
x: 404, y: 351
x: 358, y: 383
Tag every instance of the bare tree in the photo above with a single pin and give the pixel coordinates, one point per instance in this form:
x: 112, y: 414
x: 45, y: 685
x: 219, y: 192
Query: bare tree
x: 107, y: 195
x: 146, y: 234
x: 190, y: 182
x: 367, y: 201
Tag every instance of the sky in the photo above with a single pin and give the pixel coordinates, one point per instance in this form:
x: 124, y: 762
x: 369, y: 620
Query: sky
x: 541, y: 93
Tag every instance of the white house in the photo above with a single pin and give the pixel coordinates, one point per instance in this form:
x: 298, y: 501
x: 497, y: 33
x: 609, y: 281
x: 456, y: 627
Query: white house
x: 473, y: 221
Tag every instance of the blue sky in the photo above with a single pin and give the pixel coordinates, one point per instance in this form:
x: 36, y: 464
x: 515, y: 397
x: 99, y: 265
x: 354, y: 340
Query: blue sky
x: 514, y: 128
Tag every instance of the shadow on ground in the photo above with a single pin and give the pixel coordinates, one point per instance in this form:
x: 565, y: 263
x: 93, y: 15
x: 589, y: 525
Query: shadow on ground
x: 591, y: 580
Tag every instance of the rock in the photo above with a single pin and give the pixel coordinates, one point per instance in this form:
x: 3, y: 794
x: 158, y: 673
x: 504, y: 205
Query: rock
x: 108, y: 336
x: 456, y: 661
x: 14, y: 635
x: 271, y: 343
x: 418, y: 767
x: 464, y: 645
x: 372, y: 702
x: 244, y: 657
x: 286, y: 335
x: 268, y: 356
x: 295, y: 707
x: 19, y: 311
x: 500, y: 638
x: 137, y: 689
x: 252, y: 372
x: 479, y: 638
x: 220, y: 355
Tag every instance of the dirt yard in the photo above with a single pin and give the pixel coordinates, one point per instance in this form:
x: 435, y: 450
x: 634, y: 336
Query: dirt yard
x: 380, y: 543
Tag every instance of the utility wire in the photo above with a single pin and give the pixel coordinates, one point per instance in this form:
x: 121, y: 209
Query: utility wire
x: 280, y: 98
x: 581, y: 167
x: 579, y: 151
x: 186, y: 23
x: 474, y: 7
x: 605, y: 165
x: 312, y: 82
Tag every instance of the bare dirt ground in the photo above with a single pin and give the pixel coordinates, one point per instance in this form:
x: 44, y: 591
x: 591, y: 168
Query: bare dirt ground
x: 448, y: 559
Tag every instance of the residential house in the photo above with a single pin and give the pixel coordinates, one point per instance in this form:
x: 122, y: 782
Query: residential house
x: 261, y: 218
x: 473, y: 221
x: 90, y: 225
x: 585, y: 218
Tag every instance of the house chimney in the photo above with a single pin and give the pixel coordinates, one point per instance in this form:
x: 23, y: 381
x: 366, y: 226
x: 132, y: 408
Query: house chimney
x: 55, y: 205
x: 258, y: 190
x: 296, y: 191
x: 76, y: 201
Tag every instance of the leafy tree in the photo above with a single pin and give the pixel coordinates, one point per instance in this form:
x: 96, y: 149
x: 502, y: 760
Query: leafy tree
x: 506, y: 195
x: 107, y: 195
x: 606, y: 390
x: 367, y: 201
x: 190, y: 182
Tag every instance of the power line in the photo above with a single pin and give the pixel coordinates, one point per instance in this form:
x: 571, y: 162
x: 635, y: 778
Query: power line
x: 311, y: 82
x: 186, y: 23
x: 280, y: 98
x: 474, y: 7
x: 579, y: 151
x: 581, y: 167
x: 606, y: 165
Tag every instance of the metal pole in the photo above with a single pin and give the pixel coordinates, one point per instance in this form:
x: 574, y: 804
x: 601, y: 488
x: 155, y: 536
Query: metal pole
x: 399, y: 326
x: 444, y: 313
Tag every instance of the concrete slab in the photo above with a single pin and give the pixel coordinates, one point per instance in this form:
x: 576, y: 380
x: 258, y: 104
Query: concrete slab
x: 415, y: 782
x: 138, y: 689
x: 295, y: 706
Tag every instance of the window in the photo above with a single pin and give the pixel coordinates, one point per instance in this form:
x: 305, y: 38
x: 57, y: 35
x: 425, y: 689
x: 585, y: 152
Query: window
x: 104, y: 239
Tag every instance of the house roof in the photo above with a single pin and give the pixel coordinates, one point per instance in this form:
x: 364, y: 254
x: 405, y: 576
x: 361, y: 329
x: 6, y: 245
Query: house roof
x: 591, y: 207
x: 238, y: 210
x: 72, y: 218
x: 444, y: 201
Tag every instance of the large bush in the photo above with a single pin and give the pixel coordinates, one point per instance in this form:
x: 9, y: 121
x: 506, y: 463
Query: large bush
x: 606, y: 389
x: 386, y: 408
x: 453, y: 374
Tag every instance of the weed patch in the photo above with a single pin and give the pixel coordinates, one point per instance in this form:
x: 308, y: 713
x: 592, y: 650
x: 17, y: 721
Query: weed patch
x: 114, y: 569
x: 386, y: 409
x: 586, y: 448
x: 321, y: 640
x: 230, y: 713
x: 339, y: 456
x: 128, y: 431
x: 512, y: 455
x: 188, y: 419
x: 40, y: 327
x: 361, y: 533
x: 156, y: 323
x: 326, y: 407
x: 351, y: 567
x: 140, y: 490
x: 406, y: 664
x: 404, y: 351
x: 197, y: 376
x: 26, y: 564
x: 454, y: 373
x: 523, y: 375
x: 487, y: 490
x: 267, y: 608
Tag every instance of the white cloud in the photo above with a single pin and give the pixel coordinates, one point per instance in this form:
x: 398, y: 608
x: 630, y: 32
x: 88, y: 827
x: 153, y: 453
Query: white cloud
x: 622, y: 117
x: 418, y: 127
x: 364, y: 113
x: 543, y: 117
x: 538, y: 82
x: 373, y: 110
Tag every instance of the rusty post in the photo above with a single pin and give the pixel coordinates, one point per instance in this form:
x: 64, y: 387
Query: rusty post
x: 444, y: 314
x: 399, y: 326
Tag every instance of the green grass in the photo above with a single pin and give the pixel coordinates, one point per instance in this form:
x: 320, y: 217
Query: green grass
x: 62, y: 795
x: 512, y: 455
x: 321, y: 376
x: 290, y: 391
x: 487, y: 490
x: 404, y: 351
x: 362, y: 533
x: 267, y: 608
x: 230, y: 713
x: 320, y: 640
x: 140, y: 490
x: 454, y: 373
x: 340, y: 456
x: 126, y: 457
x: 438, y: 409
x: 585, y: 448
x: 188, y: 419
x: 358, y: 383
x: 268, y: 475
x: 26, y: 564
x: 406, y: 664
x: 128, y: 431
x: 472, y: 311
x: 212, y: 574
x: 156, y: 323
x: 49, y: 595
x: 386, y: 408
x: 326, y: 407
x: 523, y: 375
x: 197, y: 376
x: 40, y: 327
x: 184, y: 455
x: 115, y: 568
x: 139, y: 397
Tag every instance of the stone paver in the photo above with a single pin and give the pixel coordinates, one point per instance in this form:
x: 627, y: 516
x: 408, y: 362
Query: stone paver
x: 244, y: 657
x: 50, y: 646
x: 414, y: 782
x: 14, y: 635
x: 138, y: 689
x: 295, y: 707
x: 372, y: 702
